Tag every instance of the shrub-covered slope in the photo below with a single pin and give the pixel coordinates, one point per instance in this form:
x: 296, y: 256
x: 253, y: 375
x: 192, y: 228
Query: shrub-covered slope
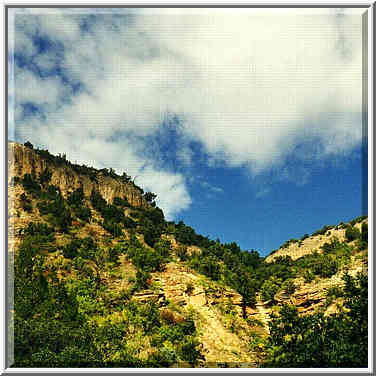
x: 103, y: 280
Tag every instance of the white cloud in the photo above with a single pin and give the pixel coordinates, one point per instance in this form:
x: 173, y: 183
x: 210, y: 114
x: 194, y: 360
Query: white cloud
x: 211, y: 188
x: 247, y: 84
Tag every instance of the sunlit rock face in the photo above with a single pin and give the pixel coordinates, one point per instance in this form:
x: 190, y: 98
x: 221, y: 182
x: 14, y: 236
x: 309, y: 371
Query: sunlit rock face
x: 23, y: 160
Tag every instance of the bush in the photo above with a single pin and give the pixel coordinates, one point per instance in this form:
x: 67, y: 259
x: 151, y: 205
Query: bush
x: 26, y: 203
x: 54, y: 205
x: 35, y: 228
x: 323, y: 230
x: 325, y: 266
x: 189, y: 351
x: 352, y: 233
x: 332, y: 246
x: 83, y: 213
x: 308, y: 276
x: 289, y: 286
x: 114, y: 228
x: 45, y: 176
x: 30, y: 184
x: 76, y: 198
x: 207, y: 265
x: 129, y: 223
x: 163, y: 247
x: 71, y: 250
x: 269, y: 288
x: 364, y: 232
x: 123, y: 202
x: 142, y: 279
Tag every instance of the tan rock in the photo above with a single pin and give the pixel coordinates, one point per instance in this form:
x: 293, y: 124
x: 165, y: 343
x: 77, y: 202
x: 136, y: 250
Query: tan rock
x: 23, y: 160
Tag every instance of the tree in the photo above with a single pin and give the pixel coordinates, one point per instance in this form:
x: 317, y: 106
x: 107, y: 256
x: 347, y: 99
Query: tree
x: 247, y: 289
x: 269, y: 288
x: 352, y: 233
x: 337, y: 340
x: 289, y: 286
x: 29, y: 145
x: 365, y: 232
x: 45, y: 176
x: 150, y: 197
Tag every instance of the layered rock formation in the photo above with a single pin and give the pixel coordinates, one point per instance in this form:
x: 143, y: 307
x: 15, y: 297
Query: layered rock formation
x: 23, y: 160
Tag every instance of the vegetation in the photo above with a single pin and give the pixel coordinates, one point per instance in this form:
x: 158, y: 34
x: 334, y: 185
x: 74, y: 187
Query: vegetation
x: 26, y: 203
x: 352, y: 233
x: 337, y: 340
x: 76, y: 293
x: 323, y: 230
x: 56, y: 321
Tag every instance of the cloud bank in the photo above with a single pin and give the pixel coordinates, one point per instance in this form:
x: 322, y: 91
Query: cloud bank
x: 248, y: 85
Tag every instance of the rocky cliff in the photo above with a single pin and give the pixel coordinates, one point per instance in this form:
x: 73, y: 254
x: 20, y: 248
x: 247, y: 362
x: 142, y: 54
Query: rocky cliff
x: 24, y: 160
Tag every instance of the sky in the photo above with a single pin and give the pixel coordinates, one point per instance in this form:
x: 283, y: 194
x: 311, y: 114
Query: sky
x: 247, y: 123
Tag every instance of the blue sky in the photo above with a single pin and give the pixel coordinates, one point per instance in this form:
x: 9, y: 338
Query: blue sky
x: 246, y: 123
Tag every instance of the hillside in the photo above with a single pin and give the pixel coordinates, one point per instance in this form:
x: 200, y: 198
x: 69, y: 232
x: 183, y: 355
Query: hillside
x: 307, y: 244
x: 106, y: 281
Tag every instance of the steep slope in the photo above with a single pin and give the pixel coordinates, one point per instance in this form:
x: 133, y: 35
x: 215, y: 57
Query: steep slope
x: 106, y: 246
x: 105, y: 280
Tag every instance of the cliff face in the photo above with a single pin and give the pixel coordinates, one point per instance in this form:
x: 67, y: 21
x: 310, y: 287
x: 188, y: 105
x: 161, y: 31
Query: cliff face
x: 23, y: 160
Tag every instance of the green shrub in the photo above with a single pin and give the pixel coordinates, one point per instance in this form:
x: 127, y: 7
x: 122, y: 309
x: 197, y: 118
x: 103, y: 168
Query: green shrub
x: 358, y: 219
x: 76, y: 198
x: 334, y: 292
x: 352, y: 233
x: 269, y: 288
x: 26, y: 203
x: 288, y: 286
x: 207, y: 265
x: 123, y: 202
x: 31, y: 185
x: 112, y: 227
x: 364, y: 236
x: 83, y: 213
x: 332, y: 246
x: 163, y: 247
x: 142, y: 279
x: 189, y: 351
x: 35, y: 228
x: 45, y: 176
x: 129, y: 223
x: 308, y: 276
x: 323, y: 230
x: 71, y: 249
x: 325, y: 266
x: 165, y: 357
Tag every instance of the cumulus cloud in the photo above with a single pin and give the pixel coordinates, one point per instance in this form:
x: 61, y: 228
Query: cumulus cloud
x: 248, y: 85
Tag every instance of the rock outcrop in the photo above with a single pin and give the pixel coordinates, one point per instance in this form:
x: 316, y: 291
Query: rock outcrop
x: 23, y: 160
